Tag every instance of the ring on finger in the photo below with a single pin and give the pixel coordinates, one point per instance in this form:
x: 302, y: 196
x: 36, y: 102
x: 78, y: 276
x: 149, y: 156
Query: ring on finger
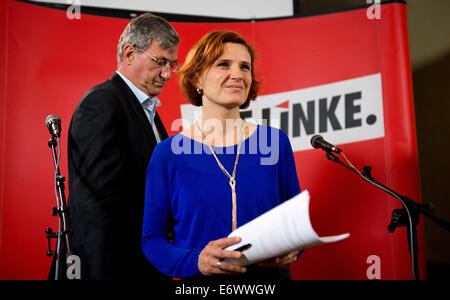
x: 219, y: 264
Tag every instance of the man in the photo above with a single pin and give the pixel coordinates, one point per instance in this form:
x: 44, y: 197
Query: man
x: 112, y: 134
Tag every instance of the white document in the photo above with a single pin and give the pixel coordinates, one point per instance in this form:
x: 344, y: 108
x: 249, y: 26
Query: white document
x: 283, y: 229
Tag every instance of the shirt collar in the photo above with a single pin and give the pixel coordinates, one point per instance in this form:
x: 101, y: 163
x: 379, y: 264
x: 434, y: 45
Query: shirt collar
x: 138, y: 92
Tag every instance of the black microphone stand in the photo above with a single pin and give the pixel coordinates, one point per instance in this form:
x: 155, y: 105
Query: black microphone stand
x: 407, y: 216
x: 64, y: 235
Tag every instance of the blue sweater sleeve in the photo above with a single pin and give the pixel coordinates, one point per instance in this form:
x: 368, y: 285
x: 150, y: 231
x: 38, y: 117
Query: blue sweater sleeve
x: 292, y: 185
x: 158, y: 222
x: 290, y: 178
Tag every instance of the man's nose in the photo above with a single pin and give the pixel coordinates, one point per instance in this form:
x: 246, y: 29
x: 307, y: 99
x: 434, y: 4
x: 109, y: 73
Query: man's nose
x: 166, y: 72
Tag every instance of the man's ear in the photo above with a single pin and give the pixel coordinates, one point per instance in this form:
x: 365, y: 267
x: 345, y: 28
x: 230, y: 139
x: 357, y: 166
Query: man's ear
x: 129, y: 54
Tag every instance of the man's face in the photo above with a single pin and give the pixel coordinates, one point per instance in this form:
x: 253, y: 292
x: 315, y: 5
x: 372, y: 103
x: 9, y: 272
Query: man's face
x: 148, y: 76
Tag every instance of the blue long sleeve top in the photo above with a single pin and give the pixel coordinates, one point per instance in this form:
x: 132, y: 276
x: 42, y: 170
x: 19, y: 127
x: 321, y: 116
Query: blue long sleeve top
x: 188, y: 200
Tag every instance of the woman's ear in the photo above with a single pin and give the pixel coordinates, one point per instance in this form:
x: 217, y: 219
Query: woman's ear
x: 198, y: 82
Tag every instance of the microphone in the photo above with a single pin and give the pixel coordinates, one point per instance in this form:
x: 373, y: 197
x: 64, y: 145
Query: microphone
x: 53, y: 123
x: 317, y: 141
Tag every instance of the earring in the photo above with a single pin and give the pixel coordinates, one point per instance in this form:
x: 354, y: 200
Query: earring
x: 199, y: 91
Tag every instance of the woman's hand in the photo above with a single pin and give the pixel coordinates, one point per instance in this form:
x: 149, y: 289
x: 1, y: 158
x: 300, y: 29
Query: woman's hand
x: 210, y: 260
x: 282, y: 261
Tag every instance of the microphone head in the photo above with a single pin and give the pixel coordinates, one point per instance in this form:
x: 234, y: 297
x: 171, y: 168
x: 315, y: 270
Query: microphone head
x: 53, y: 123
x: 315, y: 139
x: 51, y: 118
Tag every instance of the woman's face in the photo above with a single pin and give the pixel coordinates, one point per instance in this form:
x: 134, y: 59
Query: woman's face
x: 227, y: 82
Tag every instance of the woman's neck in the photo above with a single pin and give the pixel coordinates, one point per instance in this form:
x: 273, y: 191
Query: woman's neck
x: 222, y: 126
x: 220, y: 130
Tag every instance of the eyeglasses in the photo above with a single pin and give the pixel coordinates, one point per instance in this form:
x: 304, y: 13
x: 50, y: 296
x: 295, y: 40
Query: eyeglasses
x: 162, y: 63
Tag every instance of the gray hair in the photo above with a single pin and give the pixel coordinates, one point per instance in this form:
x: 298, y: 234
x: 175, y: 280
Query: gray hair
x: 145, y: 29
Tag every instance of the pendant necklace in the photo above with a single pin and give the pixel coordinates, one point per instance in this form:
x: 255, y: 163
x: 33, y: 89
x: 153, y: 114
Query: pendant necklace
x: 232, y: 178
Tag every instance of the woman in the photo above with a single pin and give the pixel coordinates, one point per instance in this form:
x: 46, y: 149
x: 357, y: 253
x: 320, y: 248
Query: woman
x: 194, y: 199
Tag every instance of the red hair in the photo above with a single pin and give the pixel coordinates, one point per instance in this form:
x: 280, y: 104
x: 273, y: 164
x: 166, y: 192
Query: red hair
x: 203, y: 55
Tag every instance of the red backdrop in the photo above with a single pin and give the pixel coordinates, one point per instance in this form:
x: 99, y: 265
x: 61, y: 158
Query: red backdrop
x: 48, y: 61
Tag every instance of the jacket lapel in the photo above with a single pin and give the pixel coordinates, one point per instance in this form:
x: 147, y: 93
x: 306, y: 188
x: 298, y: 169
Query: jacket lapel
x: 130, y: 99
x: 160, y: 126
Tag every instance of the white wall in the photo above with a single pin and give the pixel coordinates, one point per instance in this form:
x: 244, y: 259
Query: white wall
x: 238, y: 9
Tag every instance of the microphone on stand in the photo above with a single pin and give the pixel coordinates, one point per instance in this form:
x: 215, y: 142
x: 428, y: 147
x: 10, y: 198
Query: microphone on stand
x: 317, y: 141
x: 53, y: 123
x: 63, y: 249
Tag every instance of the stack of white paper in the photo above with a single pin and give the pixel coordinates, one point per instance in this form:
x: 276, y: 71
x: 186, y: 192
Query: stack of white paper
x: 283, y: 229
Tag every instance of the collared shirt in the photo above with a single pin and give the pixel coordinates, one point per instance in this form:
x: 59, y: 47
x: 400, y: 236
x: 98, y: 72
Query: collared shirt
x: 148, y: 104
x: 150, y: 109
